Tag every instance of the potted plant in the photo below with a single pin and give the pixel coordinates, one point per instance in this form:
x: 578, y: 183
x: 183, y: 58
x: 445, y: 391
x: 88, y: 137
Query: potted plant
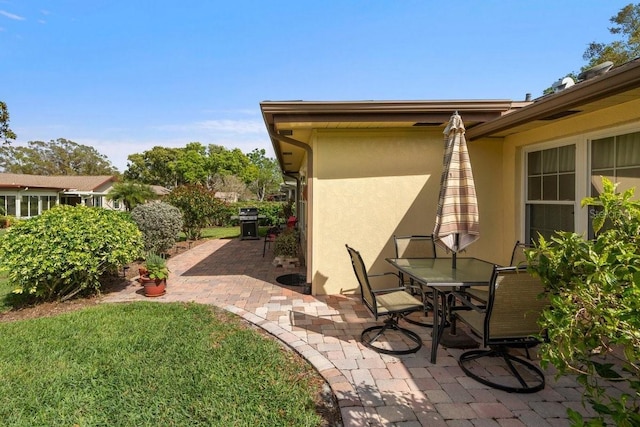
x: 157, y: 272
x: 286, y: 248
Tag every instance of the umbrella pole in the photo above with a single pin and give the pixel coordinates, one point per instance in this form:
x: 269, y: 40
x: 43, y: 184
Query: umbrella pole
x: 455, y: 253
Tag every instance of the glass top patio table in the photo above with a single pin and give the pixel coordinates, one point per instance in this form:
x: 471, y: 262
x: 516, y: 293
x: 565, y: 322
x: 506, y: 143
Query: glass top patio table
x: 439, y: 275
x: 439, y: 271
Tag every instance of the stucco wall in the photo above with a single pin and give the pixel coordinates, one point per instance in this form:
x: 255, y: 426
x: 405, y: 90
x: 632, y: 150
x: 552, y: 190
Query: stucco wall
x: 370, y: 185
x: 616, y: 119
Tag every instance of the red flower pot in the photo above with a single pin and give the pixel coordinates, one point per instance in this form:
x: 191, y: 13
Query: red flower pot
x: 154, y: 287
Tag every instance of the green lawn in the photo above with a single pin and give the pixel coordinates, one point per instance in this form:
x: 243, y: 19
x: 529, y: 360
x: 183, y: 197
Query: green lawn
x: 149, y: 364
x: 226, y: 232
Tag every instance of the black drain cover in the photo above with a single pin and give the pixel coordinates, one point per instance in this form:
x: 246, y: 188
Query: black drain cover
x: 292, y: 279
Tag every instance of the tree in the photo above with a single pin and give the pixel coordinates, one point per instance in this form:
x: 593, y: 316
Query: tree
x: 620, y: 51
x: 5, y: 131
x: 267, y: 176
x: 59, y: 157
x: 211, y: 166
x: 627, y: 25
x: 154, y: 167
x: 200, y: 208
x: 192, y: 166
x: 131, y: 194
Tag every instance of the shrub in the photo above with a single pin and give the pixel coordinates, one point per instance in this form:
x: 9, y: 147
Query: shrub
x: 160, y: 224
x: 286, y: 243
x: 199, y: 206
x: 66, y: 250
x: 273, y: 212
x: 156, y: 266
x: 7, y: 221
x: 594, y: 290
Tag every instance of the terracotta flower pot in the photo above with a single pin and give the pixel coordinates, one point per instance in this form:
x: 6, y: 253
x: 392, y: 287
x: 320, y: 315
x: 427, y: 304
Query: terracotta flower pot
x: 154, y: 287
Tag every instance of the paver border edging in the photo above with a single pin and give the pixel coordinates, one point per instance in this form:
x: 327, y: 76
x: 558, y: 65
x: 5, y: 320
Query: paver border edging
x: 321, y: 364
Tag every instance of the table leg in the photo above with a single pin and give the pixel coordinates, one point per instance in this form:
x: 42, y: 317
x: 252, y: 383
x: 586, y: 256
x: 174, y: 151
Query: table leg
x: 439, y: 322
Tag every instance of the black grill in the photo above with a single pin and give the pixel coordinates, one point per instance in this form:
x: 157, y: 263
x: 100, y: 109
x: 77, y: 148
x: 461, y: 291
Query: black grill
x: 248, y: 223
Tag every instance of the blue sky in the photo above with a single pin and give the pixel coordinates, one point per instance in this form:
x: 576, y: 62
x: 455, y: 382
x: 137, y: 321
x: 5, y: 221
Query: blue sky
x: 124, y: 76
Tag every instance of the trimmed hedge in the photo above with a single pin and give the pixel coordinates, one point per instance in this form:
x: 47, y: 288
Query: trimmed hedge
x: 160, y: 224
x: 66, y: 250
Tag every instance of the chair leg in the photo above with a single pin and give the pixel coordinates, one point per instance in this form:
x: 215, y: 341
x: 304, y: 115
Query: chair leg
x: 390, y: 324
x: 529, y: 377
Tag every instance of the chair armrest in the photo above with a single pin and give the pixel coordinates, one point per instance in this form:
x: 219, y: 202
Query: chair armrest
x: 388, y: 290
x: 388, y: 273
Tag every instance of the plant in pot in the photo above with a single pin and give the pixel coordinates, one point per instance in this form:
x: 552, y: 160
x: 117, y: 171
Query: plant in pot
x: 286, y: 247
x: 157, y: 272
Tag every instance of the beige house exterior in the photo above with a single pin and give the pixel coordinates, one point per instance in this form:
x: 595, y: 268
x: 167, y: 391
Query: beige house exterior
x: 368, y: 170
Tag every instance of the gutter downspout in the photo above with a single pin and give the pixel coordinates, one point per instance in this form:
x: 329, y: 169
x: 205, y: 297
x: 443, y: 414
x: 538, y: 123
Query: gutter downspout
x: 275, y: 137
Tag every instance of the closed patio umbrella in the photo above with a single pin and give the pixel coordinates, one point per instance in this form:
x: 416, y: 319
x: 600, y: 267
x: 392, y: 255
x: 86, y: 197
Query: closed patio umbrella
x: 457, y: 220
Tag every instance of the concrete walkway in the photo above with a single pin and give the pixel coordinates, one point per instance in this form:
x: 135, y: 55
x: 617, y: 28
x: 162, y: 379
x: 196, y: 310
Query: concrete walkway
x: 372, y: 389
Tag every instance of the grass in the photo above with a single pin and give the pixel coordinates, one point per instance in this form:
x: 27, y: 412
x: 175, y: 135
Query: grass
x: 149, y: 364
x: 225, y: 232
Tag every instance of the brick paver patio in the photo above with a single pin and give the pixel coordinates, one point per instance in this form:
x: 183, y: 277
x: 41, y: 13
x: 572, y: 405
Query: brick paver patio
x: 371, y: 389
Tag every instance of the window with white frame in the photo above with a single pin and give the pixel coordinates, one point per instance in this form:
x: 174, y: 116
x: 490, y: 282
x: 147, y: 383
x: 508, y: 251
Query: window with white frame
x: 557, y: 180
x: 29, y: 206
x: 10, y: 205
x: 618, y: 159
x: 47, y: 202
x: 550, y: 196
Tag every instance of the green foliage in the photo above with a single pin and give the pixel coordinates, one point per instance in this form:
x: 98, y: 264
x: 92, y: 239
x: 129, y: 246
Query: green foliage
x: 131, y: 194
x: 7, y: 221
x: 212, y: 167
x: 594, y: 290
x: 287, y: 243
x: 59, y: 157
x: 160, y: 224
x: 156, y: 266
x: 153, y: 167
x: 5, y: 131
x: 267, y: 177
x: 273, y: 212
x: 626, y: 24
x: 199, y: 206
x: 66, y: 249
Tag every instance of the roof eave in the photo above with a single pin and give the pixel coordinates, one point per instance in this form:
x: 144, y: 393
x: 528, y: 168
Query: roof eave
x: 616, y: 81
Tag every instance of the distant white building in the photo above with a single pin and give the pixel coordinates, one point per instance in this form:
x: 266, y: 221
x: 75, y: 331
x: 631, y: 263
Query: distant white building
x: 24, y: 196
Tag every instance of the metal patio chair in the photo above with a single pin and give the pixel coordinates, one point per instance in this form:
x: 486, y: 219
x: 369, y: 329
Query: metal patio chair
x: 416, y: 246
x: 509, y: 320
x: 394, y: 303
x: 518, y: 258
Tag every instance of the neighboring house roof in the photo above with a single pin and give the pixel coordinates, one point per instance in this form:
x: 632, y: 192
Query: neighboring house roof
x: 160, y: 190
x: 67, y: 183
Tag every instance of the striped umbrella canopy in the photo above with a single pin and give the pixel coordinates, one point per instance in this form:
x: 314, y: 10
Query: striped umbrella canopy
x: 457, y: 220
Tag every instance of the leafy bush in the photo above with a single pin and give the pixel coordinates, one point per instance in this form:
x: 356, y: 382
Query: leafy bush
x: 156, y: 266
x: 286, y: 243
x: 66, y: 250
x: 594, y: 290
x: 273, y: 212
x: 7, y: 221
x: 199, y: 206
x: 160, y: 224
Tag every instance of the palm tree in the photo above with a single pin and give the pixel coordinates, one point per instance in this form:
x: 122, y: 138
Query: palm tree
x: 131, y: 194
